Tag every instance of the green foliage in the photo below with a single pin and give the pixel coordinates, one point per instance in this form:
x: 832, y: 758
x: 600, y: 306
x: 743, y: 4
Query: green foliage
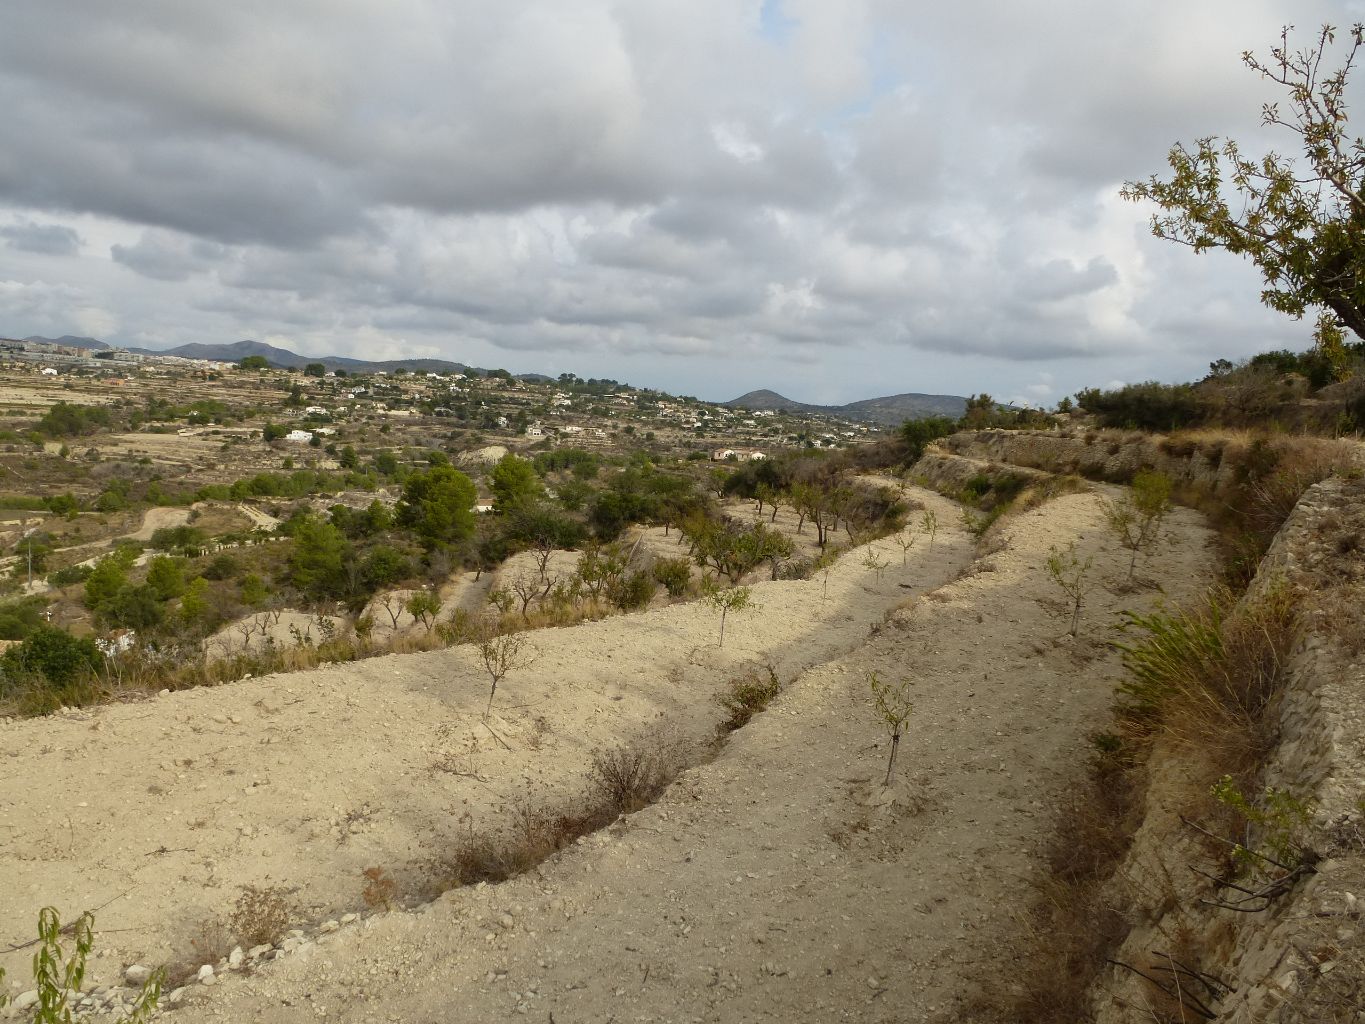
x: 631, y: 591
x: 583, y: 464
x: 918, y: 434
x: 733, y: 550
x: 424, y: 606
x: 109, y: 575
x: 438, y: 506
x: 1137, y: 517
x: 194, y: 605
x: 893, y: 706
x: 1149, y: 406
x: 317, y: 563
x: 674, y: 574
x: 1301, y: 223
x: 63, y: 505
x: 166, y: 577
x: 58, y: 979
x: 223, y: 566
x: 1281, y: 822
x: 254, y: 363
x: 515, y: 484
x: 132, y: 607
x: 63, y: 420
x: 253, y: 591
x: 314, y: 370
x: 20, y: 618
x: 52, y: 653
x: 273, y: 432
x: 187, y: 540
x: 1070, y: 572
x: 1207, y: 676
x: 384, y: 566
x: 725, y: 601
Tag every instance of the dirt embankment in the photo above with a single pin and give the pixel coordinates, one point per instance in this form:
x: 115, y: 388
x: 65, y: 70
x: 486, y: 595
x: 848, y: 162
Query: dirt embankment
x: 1299, y: 955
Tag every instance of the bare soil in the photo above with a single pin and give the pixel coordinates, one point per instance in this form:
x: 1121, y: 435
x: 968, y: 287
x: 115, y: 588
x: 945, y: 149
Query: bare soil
x: 778, y: 881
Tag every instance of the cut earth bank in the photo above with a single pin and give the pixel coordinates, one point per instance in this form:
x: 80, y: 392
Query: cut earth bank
x: 778, y: 881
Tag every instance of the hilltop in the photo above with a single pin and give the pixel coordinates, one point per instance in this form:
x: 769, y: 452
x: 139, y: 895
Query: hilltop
x: 891, y: 410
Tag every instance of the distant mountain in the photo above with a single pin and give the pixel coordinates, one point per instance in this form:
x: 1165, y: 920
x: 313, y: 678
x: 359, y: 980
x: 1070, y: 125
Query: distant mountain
x: 239, y: 350
x: 69, y: 340
x: 890, y: 411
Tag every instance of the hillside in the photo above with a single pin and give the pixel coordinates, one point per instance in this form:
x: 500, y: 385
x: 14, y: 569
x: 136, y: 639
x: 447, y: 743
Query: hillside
x: 69, y: 340
x: 890, y: 411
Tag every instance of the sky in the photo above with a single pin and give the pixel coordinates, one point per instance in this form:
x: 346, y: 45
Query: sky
x: 834, y: 199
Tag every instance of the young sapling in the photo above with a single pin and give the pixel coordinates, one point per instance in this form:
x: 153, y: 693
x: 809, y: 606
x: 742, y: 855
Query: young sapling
x: 892, y: 701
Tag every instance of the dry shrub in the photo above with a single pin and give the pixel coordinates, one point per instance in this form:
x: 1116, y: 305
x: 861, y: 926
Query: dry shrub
x: 625, y: 779
x: 261, y: 916
x: 379, y: 888
x: 620, y: 781
x: 748, y: 695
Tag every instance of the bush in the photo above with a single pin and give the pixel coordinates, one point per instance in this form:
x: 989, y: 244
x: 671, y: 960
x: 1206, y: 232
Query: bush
x: 52, y: 653
x: 746, y: 697
x: 66, y: 577
x: 674, y: 574
x: 20, y: 618
x: 222, y: 567
x: 1205, y: 676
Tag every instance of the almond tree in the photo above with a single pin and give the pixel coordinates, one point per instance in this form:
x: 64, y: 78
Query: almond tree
x: 1302, y: 223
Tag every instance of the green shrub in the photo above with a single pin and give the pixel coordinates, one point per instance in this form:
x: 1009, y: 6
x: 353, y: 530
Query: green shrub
x: 71, y: 574
x: 673, y: 574
x: 631, y: 591
x: 20, y: 618
x: 54, y: 654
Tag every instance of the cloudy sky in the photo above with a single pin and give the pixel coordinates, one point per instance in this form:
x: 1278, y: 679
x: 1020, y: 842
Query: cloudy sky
x: 836, y: 199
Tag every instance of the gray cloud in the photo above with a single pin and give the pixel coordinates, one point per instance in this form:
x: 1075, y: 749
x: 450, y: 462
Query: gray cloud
x: 44, y: 239
x: 875, y: 198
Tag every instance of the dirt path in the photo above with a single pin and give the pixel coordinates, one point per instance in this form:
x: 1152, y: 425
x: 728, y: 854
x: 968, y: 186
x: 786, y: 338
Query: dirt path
x: 304, y: 780
x: 782, y: 881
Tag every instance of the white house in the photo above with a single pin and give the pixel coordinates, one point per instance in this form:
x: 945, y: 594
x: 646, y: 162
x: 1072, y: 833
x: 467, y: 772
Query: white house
x: 535, y: 430
x: 48, y: 371
x: 571, y: 430
x: 298, y: 436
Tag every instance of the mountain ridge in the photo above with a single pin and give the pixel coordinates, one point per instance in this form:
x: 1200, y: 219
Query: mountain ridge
x: 888, y: 410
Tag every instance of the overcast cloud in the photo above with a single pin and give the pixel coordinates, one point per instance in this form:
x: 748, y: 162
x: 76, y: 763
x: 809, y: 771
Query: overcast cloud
x: 833, y: 198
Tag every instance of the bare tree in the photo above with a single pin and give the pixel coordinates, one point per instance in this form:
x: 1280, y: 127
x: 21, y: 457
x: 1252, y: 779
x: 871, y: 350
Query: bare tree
x: 501, y: 654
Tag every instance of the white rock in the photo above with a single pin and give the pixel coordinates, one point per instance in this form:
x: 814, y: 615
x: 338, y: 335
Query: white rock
x: 328, y: 926
x: 26, y: 999
x: 259, y: 951
x: 236, y: 957
x: 205, y: 975
x: 176, y: 997
x: 137, y: 974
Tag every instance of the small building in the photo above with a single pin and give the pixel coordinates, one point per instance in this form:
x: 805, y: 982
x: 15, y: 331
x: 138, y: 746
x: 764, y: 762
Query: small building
x: 535, y: 430
x: 299, y: 436
x: 48, y: 371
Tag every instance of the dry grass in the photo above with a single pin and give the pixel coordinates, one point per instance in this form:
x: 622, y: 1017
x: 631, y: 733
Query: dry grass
x: 1204, y: 678
x: 1072, y: 926
x: 621, y: 781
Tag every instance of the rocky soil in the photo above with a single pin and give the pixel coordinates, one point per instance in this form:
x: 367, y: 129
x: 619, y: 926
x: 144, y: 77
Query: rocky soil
x: 778, y: 880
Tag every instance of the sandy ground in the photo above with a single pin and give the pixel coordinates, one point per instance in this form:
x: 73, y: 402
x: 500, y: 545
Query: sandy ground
x: 304, y: 780
x: 780, y: 881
